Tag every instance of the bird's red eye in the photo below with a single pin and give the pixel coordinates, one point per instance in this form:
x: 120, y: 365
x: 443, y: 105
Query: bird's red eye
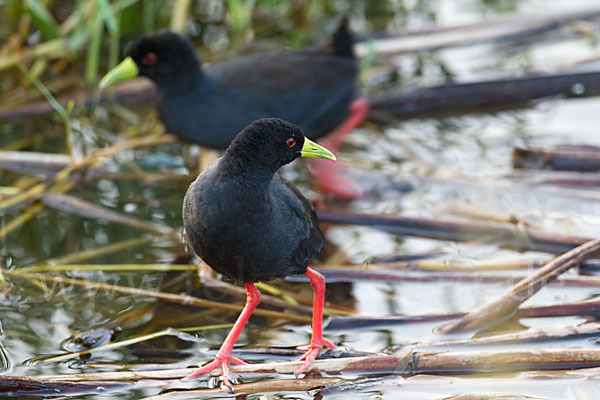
x: 149, y: 59
x: 291, y: 142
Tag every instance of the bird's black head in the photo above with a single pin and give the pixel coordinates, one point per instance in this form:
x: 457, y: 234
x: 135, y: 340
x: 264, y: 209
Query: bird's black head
x: 165, y: 57
x: 270, y: 143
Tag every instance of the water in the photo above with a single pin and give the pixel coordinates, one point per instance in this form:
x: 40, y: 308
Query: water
x: 453, y: 162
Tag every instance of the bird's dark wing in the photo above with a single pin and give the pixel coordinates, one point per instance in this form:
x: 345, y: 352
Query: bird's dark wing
x: 304, y: 222
x: 311, y: 88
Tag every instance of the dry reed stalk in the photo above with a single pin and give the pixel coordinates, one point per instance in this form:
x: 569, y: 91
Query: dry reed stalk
x: 382, y: 274
x: 531, y: 335
x: 23, y: 387
x: 507, y: 235
x: 507, y: 304
x: 266, y: 299
x: 409, y: 363
x: 588, y: 307
x: 267, y: 386
x: 169, y: 297
x: 73, y: 205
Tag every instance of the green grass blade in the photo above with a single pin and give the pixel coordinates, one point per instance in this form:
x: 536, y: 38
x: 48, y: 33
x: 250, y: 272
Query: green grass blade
x: 272, y: 290
x: 240, y: 14
x: 2, y: 280
x: 93, y: 55
x: 369, y: 58
x: 101, y: 251
x: 109, y: 267
x: 42, y: 19
x: 114, y: 42
x: 134, y: 340
x: 109, y: 19
x: 121, y: 4
x: 149, y: 15
x: 44, y: 91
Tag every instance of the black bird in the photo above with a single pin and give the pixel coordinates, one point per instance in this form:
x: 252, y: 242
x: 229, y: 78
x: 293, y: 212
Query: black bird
x: 249, y: 224
x: 207, y: 104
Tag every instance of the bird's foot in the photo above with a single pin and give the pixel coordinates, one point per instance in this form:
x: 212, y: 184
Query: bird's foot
x: 220, y: 361
x: 312, y: 351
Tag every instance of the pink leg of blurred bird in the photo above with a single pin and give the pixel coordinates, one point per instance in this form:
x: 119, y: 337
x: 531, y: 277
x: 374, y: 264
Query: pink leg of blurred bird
x: 327, y: 173
x: 224, y: 356
x: 316, y: 343
x: 358, y: 112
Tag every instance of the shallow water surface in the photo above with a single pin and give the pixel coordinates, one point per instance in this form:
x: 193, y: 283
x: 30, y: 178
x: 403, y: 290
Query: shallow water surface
x: 451, y: 163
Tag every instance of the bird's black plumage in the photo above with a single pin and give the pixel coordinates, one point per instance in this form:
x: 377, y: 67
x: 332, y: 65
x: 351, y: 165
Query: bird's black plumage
x: 249, y: 224
x: 207, y: 105
x: 242, y: 218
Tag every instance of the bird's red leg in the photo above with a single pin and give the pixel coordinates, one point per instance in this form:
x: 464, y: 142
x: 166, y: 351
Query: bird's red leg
x: 224, y: 356
x: 316, y: 343
x: 326, y: 173
x: 358, y: 112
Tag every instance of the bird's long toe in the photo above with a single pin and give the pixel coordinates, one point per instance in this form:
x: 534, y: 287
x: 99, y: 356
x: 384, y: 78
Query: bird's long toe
x: 237, y: 361
x: 312, y: 352
x: 216, y: 363
x: 221, y: 362
x: 308, y: 359
x: 325, y: 342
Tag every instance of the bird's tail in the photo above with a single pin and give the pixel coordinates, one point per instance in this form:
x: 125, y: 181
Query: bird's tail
x: 342, y: 39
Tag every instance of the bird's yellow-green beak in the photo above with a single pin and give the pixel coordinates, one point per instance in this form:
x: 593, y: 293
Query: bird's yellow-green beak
x: 311, y: 149
x: 125, y: 70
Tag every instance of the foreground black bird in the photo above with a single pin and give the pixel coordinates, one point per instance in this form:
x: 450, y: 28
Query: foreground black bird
x: 208, y: 104
x: 249, y: 224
